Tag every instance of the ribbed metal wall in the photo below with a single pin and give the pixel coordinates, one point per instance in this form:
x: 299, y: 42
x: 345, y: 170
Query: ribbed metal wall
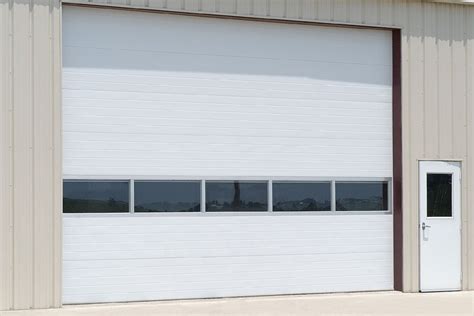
x: 437, y: 97
x: 30, y: 154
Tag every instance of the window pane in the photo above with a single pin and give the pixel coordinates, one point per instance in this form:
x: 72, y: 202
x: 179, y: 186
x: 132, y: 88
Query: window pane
x: 167, y: 196
x: 362, y: 196
x: 95, y: 196
x: 301, y: 196
x: 439, y: 195
x: 236, y: 196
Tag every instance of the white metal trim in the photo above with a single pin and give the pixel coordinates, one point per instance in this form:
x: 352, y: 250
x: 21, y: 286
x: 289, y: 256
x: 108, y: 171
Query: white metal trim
x: 203, y: 196
x: 270, y: 196
x: 131, y: 197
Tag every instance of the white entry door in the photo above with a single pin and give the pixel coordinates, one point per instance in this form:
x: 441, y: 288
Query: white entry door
x: 440, y: 226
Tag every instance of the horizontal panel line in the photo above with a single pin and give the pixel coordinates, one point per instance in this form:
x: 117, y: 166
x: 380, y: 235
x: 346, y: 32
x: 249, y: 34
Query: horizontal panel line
x: 227, y: 256
x: 210, y: 275
x: 208, y: 263
x: 69, y: 131
x: 227, y: 241
x: 253, y: 98
x: 72, y: 76
x: 379, y: 104
x: 69, y: 84
x: 187, y: 53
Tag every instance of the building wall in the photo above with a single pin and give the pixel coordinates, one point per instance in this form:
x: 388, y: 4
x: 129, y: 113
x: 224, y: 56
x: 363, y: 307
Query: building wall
x: 437, y: 110
x: 30, y: 154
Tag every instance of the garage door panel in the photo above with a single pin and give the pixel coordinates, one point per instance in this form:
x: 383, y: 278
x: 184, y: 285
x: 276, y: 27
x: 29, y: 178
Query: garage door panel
x: 158, y: 96
x: 355, y: 284
x: 217, y: 249
x: 219, y: 37
x: 240, y: 286
x: 217, y: 121
x: 147, y: 82
x: 95, y: 269
x: 219, y: 140
x: 294, y: 252
x: 245, y: 84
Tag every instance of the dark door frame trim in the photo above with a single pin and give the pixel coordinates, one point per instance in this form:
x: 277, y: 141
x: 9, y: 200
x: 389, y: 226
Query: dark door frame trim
x: 397, y: 160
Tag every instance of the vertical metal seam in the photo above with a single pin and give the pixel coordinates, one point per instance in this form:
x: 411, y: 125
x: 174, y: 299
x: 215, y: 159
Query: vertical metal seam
x: 423, y: 19
x: 11, y: 182
x: 407, y: 99
x: 57, y: 152
x: 52, y: 149
x: 451, y: 32
x: 363, y: 18
x: 300, y: 9
x: 379, y: 13
x: 53, y: 152
x: 466, y: 165
x: 347, y: 4
x: 12, y: 135
x: 315, y: 10
x: 32, y: 151
x: 437, y: 82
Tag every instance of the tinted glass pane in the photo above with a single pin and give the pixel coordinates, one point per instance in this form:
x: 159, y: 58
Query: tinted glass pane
x: 362, y: 196
x: 439, y: 195
x: 301, y: 196
x: 95, y: 197
x: 236, y: 196
x: 167, y: 196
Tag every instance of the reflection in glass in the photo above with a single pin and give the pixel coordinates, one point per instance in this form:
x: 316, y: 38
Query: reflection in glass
x: 301, y: 196
x: 95, y: 196
x: 236, y: 196
x: 167, y: 196
x: 361, y: 196
x: 439, y: 195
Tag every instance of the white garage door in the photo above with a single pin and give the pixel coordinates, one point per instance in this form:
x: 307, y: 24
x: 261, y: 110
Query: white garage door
x: 214, y: 157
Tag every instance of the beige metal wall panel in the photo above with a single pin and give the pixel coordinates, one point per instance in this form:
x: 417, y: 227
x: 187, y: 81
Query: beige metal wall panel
x: 57, y: 189
x: 30, y: 168
x: 468, y: 168
x: 6, y: 214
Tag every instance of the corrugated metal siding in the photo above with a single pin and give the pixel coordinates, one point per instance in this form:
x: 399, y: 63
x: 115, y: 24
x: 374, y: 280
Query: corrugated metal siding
x: 437, y: 113
x: 30, y: 173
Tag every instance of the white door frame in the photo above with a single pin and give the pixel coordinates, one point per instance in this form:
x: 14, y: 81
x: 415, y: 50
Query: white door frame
x: 440, y: 249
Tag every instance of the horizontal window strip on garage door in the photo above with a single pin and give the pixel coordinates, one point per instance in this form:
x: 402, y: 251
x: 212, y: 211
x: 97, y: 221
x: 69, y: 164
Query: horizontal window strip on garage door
x: 226, y: 196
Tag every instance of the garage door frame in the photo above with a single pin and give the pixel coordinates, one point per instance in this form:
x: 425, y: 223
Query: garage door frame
x: 397, y: 199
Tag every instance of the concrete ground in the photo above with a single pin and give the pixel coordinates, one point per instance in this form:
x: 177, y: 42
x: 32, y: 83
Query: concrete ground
x: 376, y: 303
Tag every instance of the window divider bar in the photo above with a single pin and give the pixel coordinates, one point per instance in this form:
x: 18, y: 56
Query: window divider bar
x: 270, y: 195
x: 333, y: 196
x: 131, y: 197
x: 203, y: 196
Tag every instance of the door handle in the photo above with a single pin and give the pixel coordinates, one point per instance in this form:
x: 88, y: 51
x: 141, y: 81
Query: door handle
x: 424, y: 226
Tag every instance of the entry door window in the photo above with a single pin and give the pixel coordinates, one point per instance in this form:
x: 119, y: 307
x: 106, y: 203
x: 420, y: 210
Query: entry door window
x: 439, y: 195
